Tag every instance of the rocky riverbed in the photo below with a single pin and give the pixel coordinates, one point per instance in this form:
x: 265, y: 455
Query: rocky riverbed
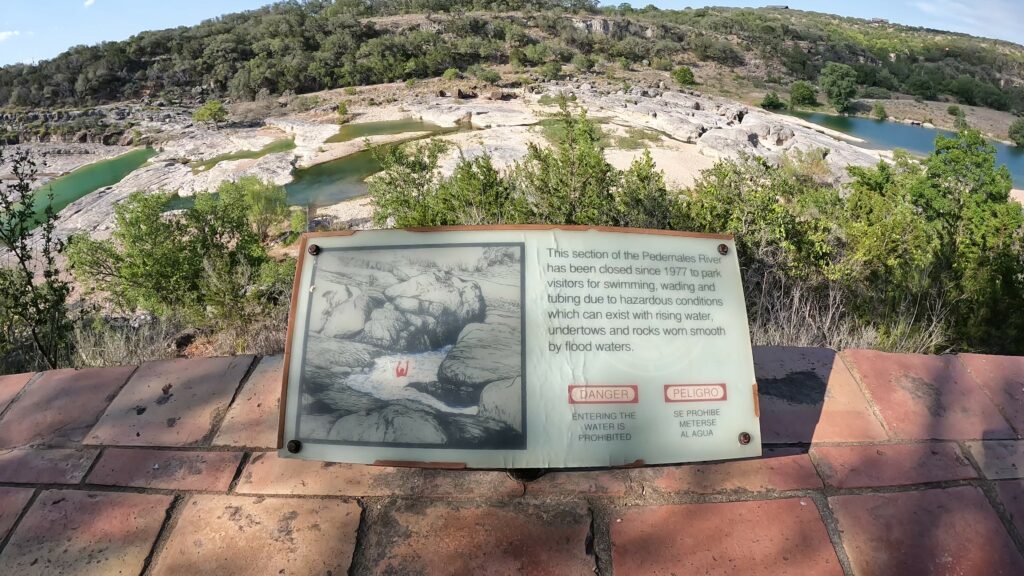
x: 694, y: 130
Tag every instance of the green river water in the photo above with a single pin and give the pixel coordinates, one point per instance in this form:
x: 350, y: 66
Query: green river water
x: 90, y: 178
x: 316, y: 186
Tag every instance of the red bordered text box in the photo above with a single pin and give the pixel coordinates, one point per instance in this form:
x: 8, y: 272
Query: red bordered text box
x: 631, y: 393
x: 695, y: 393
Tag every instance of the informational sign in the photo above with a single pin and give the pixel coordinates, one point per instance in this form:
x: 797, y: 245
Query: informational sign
x: 518, y: 347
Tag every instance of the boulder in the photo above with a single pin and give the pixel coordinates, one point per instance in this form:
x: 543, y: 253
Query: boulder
x: 329, y: 360
x: 483, y: 354
x: 396, y: 423
x: 469, y: 431
x: 317, y: 425
x: 341, y: 311
x: 503, y: 401
x: 450, y: 301
x: 341, y: 400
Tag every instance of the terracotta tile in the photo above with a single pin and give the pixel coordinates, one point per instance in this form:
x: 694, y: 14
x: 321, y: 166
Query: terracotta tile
x: 759, y: 475
x: 59, y: 408
x: 266, y: 473
x: 10, y: 385
x: 72, y: 532
x: 1011, y: 494
x: 572, y: 483
x: 442, y: 538
x: 1003, y: 379
x: 922, y: 397
x: 12, y: 502
x: 766, y: 537
x: 891, y: 464
x: 253, y: 418
x: 228, y: 535
x: 807, y: 394
x: 949, y: 531
x: 46, y: 465
x: 999, y: 460
x: 167, y: 469
x: 171, y: 402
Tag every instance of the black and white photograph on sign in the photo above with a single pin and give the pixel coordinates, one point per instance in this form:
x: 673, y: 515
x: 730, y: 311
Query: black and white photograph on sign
x: 416, y: 346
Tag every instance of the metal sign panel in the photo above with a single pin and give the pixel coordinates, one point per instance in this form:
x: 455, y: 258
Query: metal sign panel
x: 518, y: 347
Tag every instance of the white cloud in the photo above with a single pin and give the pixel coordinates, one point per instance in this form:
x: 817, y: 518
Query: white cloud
x: 6, y: 35
x: 89, y: 3
x: 1003, y: 19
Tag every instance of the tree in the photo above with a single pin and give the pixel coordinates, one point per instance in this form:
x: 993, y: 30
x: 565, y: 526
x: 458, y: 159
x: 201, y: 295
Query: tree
x: 771, y: 101
x: 1017, y: 132
x: 211, y: 111
x: 839, y: 82
x: 803, y: 93
x: 34, y: 320
x: 684, y: 76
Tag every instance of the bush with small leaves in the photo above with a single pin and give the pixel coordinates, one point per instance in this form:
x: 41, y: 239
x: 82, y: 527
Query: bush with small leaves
x: 803, y: 93
x: 684, y: 76
x: 551, y: 71
x: 771, y: 101
x: 212, y: 111
x: 1017, y: 132
x: 583, y: 63
x: 879, y: 111
x: 35, y: 325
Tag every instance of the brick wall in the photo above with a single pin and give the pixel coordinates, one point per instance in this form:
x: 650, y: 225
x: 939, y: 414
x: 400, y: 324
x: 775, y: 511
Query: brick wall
x: 874, y: 464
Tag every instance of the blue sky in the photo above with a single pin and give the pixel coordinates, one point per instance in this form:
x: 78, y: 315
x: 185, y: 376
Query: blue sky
x: 33, y: 30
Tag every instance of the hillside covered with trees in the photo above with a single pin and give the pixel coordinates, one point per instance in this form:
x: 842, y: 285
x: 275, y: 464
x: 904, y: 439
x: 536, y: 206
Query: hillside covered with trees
x: 314, y: 45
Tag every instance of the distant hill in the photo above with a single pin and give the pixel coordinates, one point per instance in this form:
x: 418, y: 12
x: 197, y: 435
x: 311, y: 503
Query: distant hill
x: 320, y: 44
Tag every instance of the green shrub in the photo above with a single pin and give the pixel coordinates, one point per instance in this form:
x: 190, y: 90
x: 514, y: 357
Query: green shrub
x: 955, y: 110
x: 1017, y: 132
x: 911, y: 257
x: 771, y: 101
x: 879, y: 111
x: 342, y: 112
x: 211, y: 111
x: 684, y: 76
x: 663, y: 64
x: 488, y: 75
x: 803, y: 93
x: 297, y: 222
x: 451, y: 74
x: 207, y: 265
x: 551, y: 71
x: 875, y: 93
x: 583, y: 63
x: 351, y: 90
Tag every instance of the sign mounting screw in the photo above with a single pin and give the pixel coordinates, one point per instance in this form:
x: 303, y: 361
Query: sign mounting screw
x: 723, y: 249
x: 314, y: 249
x: 744, y: 439
x: 294, y: 446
